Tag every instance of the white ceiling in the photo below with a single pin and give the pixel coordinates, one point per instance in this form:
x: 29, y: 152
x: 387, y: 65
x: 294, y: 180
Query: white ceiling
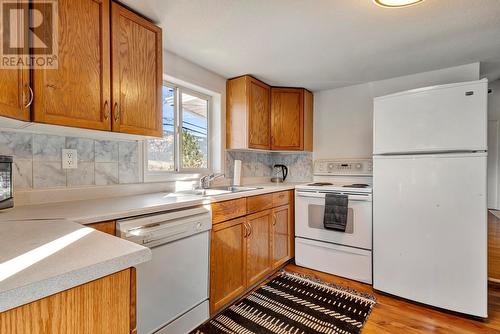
x: 320, y: 44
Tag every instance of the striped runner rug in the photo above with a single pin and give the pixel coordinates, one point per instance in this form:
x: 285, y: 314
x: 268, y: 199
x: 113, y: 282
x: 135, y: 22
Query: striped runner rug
x: 294, y: 303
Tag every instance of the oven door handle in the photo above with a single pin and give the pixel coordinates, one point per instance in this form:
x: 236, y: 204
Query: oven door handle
x: 322, y: 195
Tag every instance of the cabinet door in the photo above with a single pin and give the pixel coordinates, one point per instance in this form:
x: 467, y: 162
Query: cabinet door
x: 227, y: 262
x: 77, y: 93
x: 106, y: 305
x: 281, y: 235
x: 258, y: 246
x: 287, y: 119
x: 14, y: 86
x: 259, y: 130
x: 136, y: 74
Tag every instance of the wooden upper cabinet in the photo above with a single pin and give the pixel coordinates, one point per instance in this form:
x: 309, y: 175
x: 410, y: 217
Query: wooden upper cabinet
x: 258, y: 246
x: 248, y: 113
x: 227, y: 262
x: 261, y: 117
x: 291, y: 119
x: 15, y: 93
x: 77, y: 93
x: 137, y: 73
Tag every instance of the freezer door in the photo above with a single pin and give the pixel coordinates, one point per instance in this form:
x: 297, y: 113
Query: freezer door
x: 430, y: 230
x: 439, y: 119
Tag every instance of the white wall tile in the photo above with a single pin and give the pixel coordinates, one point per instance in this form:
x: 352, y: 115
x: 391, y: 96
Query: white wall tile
x: 84, y: 147
x: 48, y: 148
x: 106, y: 173
x: 106, y: 151
x: 22, y: 170
x: 17, y: 144
x: 48, y: 174
x: 81, y: 176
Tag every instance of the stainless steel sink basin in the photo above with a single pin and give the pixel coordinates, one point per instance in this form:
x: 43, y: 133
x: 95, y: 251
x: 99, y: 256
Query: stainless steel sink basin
x: 214, y: 191
x: 234, y: 189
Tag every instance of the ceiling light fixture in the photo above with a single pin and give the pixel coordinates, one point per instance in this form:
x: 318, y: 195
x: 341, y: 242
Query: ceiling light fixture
x: 396, y: 3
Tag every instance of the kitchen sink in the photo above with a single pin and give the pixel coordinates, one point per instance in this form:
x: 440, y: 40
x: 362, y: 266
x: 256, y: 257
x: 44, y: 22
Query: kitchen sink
x: 214, y: 191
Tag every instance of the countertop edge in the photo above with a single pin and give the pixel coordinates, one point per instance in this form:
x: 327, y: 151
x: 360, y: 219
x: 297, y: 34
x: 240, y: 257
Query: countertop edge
x: 184, y: 204
x: 50, y: 286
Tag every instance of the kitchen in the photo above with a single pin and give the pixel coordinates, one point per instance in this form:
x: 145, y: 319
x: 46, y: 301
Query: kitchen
x: 218, y: 166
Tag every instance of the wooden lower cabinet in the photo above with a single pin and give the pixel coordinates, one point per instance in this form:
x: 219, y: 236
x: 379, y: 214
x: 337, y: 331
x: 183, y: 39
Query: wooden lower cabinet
x: 227, y: 262
x: 281, y: 236
x: 258, y: 246
x: 108, y: 227
x: 493, y: 247
x: 106, y: 305
x: 247, y: 249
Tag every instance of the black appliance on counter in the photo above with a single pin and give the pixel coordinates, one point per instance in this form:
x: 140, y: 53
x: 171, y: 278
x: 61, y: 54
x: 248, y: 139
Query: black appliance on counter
x: 6, y: 187
x: 280, y: 173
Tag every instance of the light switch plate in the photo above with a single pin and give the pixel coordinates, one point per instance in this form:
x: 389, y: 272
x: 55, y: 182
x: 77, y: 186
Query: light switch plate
x: 69, y: 159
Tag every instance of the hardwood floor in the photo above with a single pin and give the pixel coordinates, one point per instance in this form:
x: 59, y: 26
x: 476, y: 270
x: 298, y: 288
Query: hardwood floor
x: 394, y: 315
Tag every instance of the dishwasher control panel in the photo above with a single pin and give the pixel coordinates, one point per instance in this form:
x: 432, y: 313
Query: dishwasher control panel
x: 157, y: 229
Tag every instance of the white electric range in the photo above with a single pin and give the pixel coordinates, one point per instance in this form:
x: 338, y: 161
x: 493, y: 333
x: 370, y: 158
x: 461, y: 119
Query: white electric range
x: 347, y: 254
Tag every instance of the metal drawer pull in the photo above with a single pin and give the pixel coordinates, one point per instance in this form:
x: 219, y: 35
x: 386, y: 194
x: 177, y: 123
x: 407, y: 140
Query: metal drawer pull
x: 116, y: 112
x: 246, y: 230
x: 31, y: 97
x: 106, y: 110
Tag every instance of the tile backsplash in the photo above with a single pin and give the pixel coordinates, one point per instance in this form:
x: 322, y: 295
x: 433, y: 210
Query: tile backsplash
x: 260, y: 164
x: 38, y: 160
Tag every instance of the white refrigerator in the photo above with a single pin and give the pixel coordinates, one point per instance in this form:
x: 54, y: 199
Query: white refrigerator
x: 429, y: 196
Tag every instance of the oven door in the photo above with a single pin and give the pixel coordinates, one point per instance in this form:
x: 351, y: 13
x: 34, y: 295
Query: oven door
x: 309, y: 212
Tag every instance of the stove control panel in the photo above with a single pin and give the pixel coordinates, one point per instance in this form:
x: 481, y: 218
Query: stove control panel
x: 344, y: 167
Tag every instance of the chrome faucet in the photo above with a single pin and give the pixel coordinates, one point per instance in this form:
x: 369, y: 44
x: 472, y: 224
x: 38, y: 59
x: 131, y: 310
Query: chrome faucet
x: 207, y: 179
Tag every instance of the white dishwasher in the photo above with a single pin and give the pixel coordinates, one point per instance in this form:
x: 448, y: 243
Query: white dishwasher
x: 172, y: 288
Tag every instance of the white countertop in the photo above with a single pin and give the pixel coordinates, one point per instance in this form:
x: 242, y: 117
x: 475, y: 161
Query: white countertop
x: 40, y: 258
x: 44, y: 249
x: 98, y: 210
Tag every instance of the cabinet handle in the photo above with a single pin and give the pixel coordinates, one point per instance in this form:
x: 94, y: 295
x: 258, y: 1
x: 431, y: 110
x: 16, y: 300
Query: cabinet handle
x: 30, y: 101
x: 106, y: 110
x: 246, y: 230
x: 274, y: 220
x: 250, y: 230
x: 116, y: 112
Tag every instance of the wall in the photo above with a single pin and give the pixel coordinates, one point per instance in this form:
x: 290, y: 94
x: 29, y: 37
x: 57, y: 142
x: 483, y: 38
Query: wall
x: 258, y: 165
x: 343, y: 117
x: 494, y: 146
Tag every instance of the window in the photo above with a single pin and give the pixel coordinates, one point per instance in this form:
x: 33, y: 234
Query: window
x: 185, y: 142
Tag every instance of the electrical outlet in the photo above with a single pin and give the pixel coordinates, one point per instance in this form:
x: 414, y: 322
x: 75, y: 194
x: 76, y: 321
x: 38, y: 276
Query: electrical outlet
x: 69, y: 159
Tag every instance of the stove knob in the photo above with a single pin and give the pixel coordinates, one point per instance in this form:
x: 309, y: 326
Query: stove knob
x: 358, y: 166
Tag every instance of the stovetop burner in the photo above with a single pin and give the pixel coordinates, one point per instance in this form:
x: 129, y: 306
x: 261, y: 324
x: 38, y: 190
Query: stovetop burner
x: 356, y: 185
x: 320, y: 184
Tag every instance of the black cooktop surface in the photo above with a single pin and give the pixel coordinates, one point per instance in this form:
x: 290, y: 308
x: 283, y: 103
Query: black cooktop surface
x: 356, y: 185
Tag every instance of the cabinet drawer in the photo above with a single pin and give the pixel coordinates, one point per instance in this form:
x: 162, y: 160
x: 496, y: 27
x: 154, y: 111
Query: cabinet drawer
x: 227, y: 210
x: 259, y: 203
x: 281, y: 198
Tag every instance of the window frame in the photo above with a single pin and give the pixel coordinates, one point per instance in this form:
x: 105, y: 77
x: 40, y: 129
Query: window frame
x: 182, y: 173
x: 179, y: 131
